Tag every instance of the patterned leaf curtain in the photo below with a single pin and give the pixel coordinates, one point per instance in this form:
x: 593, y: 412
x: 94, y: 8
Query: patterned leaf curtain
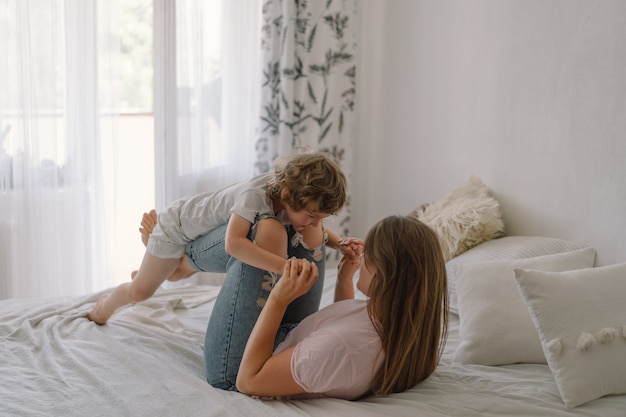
x: 308, y: 89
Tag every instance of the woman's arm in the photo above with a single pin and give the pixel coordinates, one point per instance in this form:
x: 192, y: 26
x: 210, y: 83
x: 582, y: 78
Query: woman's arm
x: 238, y: 245
x: 344, y: 288
x: 260, y: 372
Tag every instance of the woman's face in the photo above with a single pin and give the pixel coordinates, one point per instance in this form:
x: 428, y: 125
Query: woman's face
x: 365, y: 278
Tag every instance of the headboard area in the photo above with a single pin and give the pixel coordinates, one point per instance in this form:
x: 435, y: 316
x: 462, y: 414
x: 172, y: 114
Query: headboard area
x: 531, y: 98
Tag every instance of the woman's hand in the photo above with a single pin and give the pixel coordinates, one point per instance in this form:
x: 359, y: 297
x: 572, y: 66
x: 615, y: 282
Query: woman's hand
x: 298, y: 277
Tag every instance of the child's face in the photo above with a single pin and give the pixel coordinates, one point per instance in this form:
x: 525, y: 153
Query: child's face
x: 309, y: 217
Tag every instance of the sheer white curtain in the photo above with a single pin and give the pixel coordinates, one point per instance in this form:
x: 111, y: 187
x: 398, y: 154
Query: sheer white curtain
x: 59, y: 159
x: 53, y: 184
x: 207, y: 94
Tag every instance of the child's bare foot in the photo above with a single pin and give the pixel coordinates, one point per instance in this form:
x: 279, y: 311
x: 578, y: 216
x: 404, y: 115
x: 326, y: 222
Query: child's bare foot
x: 148, y: 221
x: 96, y: 314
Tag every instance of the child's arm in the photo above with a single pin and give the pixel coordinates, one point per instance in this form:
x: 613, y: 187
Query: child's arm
x: 262, y: 373
x: 333, y: 239
x: 348, y: 246
x: 238, y: 245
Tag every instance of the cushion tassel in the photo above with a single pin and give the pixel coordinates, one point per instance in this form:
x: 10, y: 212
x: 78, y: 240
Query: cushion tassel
x: 554, y: 346
x: 585, y: 341
x: 607, y: 335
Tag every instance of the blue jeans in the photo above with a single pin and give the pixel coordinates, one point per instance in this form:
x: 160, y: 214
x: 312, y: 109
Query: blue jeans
x: 241, y: 299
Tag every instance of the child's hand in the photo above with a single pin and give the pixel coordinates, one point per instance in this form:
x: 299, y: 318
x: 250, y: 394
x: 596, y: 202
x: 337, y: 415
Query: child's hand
x: 298, y: 277
x: 351, y: 247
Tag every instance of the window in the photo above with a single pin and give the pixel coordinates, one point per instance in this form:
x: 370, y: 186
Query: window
x: 110, y: 108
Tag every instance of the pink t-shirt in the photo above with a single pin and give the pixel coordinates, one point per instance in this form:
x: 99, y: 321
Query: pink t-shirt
x: 337, y: 352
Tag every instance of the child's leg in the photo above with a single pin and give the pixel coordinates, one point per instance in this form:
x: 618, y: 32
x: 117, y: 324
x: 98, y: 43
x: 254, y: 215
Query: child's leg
x: 151, y: 274
x: 238, y: 306
x: 148, y: 222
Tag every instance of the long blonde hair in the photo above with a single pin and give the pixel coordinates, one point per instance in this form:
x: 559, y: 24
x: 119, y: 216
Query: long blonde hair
x: 408, y: 302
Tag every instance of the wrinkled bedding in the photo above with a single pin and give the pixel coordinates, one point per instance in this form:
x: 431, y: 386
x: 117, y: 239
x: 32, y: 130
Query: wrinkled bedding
x: 148, y: 361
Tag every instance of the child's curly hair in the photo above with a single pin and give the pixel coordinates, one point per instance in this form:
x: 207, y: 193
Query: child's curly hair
x: 309, y: 178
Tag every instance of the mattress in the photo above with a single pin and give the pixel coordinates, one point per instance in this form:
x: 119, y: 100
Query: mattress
x: 148, y: 361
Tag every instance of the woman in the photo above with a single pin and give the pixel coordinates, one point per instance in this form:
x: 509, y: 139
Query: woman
x: 387, y: 343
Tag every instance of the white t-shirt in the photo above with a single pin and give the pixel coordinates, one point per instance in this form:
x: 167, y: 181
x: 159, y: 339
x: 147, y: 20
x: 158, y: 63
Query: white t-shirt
x: 337, y: 352
x: 195, y: 215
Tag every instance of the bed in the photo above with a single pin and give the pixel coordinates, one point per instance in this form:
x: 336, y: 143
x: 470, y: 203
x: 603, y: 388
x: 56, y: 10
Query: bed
x: 535, y: 330
x: 148, y: 361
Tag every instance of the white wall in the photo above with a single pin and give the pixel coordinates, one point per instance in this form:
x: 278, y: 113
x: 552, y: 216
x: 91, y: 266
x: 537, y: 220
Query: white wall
x: 528, y: 95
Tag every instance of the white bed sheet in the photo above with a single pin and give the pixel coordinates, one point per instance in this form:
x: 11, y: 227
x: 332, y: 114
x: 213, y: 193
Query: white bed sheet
x: 148, y: 361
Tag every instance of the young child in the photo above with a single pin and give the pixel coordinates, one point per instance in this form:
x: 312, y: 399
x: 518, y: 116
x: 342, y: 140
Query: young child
x: 387, y: 343
x: 204, y: 232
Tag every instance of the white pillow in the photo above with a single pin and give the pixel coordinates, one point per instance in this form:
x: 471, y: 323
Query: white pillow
x: 581, y: 320
x: 510, y: 247
x: 495, y: 326
x: 464, y: 218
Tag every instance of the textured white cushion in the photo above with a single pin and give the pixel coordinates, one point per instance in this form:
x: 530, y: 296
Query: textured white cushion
x: 495, y: 326
x: 510, y: 247
x: 581, y: 320
x: 464, y: 218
